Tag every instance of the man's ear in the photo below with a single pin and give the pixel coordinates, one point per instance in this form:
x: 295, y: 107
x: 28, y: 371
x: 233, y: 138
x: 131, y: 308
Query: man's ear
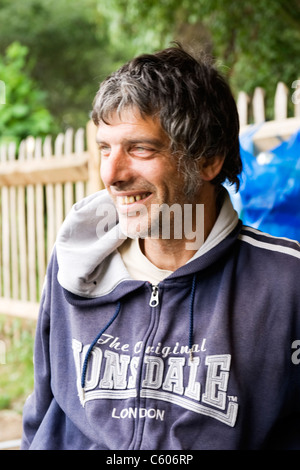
x: 211, y: 167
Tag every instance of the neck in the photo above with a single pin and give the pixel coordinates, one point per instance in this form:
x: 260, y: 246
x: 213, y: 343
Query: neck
x: 171, y: 254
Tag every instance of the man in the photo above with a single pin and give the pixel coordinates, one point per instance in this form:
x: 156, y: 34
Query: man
x: 163, y: 325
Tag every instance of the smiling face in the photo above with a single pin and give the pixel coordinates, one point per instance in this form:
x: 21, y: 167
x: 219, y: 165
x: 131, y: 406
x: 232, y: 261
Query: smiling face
x: 139, y: 171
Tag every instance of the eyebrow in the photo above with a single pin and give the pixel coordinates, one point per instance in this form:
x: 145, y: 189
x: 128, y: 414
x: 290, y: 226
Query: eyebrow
x: 140, y: 140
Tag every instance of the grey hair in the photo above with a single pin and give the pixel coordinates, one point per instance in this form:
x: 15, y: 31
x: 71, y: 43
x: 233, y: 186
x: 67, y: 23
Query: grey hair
x: 192, y: 101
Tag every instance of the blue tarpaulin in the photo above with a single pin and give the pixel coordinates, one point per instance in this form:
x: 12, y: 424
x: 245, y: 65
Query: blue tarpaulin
x: 269, y: 196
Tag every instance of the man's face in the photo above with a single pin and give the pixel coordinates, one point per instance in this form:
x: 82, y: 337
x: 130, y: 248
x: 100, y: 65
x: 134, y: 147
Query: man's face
x: 138, y: 170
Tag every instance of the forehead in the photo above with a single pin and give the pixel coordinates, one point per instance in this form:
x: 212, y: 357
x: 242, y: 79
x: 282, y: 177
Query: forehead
x: 131, y: 125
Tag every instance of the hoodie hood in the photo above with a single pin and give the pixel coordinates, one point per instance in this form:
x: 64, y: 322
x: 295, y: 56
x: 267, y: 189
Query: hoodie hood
x: 89, y: 262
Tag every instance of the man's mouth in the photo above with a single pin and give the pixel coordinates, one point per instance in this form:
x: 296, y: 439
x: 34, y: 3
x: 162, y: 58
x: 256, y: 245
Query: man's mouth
x: 131, y: 199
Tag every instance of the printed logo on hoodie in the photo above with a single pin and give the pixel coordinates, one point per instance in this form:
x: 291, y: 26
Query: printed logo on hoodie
x: 166, y: 374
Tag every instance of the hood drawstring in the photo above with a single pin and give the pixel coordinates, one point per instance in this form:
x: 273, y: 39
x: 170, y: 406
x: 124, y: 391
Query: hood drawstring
x: 191, y: 313
x: 84, y: 368
x: 191, y: 332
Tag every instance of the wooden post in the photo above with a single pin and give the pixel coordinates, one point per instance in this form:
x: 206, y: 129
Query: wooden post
x: 13, y: 230
x: 281, y: 102
x: 68, y: 189
x: 242, y: 105
x: 40, y: 224
x: 94, y: 183
x: 258, y: 103
x: 5, y: 236
x: 22, y: 222
x: 31, y: 223
x: 80, y: 186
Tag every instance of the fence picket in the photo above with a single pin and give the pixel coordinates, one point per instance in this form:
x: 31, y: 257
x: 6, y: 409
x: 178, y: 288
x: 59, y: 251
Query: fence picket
x: 40, y: 222
x: 68, y: 187
x: 13, y: 228
x: 58, y: 188
x: 22, y: 232
x: 258, y: 103
x: 31, y: 222
x: 242, y: 106
x: 80, y: 187
x: 281, y: 102
x: 5, y: 231
x: 50, y: 239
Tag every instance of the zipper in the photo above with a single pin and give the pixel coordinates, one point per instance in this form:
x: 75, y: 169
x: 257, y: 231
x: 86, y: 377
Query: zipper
x: 154, y: 300
x: 139, y: 424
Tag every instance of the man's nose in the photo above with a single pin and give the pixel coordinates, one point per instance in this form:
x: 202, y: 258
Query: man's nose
x: 115, y: 168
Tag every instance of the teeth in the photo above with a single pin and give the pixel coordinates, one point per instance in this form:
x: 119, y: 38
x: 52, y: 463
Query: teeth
x: 132, y: 199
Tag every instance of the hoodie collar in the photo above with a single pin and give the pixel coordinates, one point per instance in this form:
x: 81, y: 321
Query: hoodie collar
x: 224, y: 225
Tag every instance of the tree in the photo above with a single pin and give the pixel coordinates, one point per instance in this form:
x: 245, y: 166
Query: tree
x: 24, y: 110
x: 74, y: 44
x: 68, y: 42
x: 256, y: 42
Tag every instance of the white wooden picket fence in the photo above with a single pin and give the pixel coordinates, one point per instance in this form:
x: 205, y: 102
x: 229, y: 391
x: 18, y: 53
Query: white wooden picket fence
x: 40, y: 184
x: 282, y: 126
x: 37, y: 189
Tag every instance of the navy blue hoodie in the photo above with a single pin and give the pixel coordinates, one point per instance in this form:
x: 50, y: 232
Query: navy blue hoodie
x: 208, y: 359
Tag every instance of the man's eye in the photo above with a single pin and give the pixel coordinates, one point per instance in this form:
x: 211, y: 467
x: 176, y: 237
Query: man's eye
x: 141, y: 151
x: 104, y: 150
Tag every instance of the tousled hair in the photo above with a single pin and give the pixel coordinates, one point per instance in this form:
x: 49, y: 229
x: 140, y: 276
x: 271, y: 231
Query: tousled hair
x: 192, y: 101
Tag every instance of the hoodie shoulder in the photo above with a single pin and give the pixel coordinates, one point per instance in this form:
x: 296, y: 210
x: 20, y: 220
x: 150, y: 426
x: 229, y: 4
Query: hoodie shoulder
x: 267, y: 242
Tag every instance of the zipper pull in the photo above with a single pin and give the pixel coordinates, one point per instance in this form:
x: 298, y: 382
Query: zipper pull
x: 154, y: 300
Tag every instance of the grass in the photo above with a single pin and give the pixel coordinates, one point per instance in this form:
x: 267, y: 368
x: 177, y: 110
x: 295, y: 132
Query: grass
x: 16, y: 362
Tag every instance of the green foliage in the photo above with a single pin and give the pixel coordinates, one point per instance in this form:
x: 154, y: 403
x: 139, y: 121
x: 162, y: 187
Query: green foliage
x: 24, y: 111
x: 71, y: 52
x: 16, y: 374
x: 72, y: 45
x: 144, y: 26
x: 256, y: 42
